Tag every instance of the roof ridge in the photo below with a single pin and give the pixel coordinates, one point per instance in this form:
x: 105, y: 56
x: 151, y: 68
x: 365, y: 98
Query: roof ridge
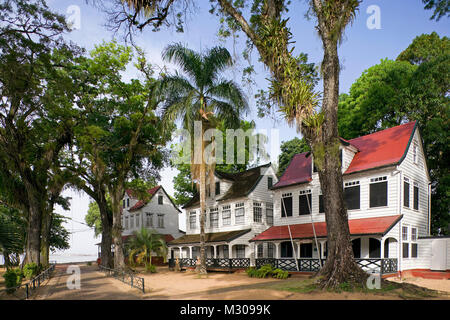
x: 380, y: 131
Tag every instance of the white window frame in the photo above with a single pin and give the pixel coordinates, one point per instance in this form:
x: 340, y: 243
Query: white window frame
x: 149, y: 219
x: 160, y: 220
x: 226, y: 215
x: 257, y: 212
x: 239, y: 207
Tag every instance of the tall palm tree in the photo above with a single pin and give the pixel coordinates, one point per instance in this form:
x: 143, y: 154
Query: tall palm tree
x: 143, y: 244
x: 200, y: 94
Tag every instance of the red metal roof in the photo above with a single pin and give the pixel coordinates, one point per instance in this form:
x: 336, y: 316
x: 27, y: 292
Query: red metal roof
x: 142, y: 203
x: 381, y: 148
x: 386, y: 147
x: 365, y: 226
x: 298, y: 171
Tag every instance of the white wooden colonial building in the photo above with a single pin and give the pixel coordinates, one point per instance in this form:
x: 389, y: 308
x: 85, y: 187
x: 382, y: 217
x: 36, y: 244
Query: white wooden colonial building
x: 239, y: 207
x: 159, y: 213
x: 387, y: 192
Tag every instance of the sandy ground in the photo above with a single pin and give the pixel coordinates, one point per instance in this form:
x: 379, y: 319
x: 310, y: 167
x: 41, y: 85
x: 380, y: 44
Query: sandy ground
x: 434, y: 284
x: 167, y: 285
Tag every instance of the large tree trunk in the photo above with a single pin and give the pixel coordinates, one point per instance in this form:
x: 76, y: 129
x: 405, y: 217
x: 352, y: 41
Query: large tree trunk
x: 33, y: 245
x: 107, y: 221
x: 340, y: 265
x: 45, y: 237
x: 116, y: 199
x: 202, y: 268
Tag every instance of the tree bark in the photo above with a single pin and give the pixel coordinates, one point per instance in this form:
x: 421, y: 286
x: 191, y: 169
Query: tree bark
x: 202, y: 268
x: 45, y: 237
x: 116, y: 198
x: 107, y: 221
x: 340, y: 265
x: 33, y: 245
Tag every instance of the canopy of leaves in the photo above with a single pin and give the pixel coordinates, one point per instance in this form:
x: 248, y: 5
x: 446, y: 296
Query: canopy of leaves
x: 288, y: 150
x: 441, y: 8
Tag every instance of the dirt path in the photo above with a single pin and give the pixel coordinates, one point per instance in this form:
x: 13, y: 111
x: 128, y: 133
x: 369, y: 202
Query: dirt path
x: 167, y: 285
x: 94, y: 285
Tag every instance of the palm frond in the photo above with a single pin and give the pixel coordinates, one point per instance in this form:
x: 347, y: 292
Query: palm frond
x: 189, y: 61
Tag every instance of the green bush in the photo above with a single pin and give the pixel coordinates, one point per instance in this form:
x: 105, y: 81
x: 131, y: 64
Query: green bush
x: 266, y: 271
x: 30, y: 270
x: 89, y: 263
x: 151, y: 268
x: 13, y: 278
x: 280, y: 274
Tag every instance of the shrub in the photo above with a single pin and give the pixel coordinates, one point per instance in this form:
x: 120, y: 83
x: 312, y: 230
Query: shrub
x: 264, y: 271
x: 150, y: 268
x: 13, y: 278
x: 30, y: 270
x: 251, y: 272
x: 280, y: 274
x: 89, y: 263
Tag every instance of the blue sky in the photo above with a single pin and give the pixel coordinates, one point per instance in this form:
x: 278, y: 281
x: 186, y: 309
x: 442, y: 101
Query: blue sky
x: 401, y: 21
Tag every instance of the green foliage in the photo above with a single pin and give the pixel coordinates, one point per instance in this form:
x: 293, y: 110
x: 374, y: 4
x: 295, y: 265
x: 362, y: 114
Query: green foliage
x: 288, y: 150
x: 414, y: 87
x: 93, y: 218
x: 151, y: 268
x: 425, y: 48
x: 280, y: 274
x: 30, y: 270
x: 13, y: 279
x: 441, y: 8
x: 266, y: 271
x: 185, y: 189
x: 59, y: 236
x: 142, y: 245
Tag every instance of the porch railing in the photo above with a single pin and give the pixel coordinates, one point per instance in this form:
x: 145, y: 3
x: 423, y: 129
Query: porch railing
x: 383, y: 266
x: 211, y: 263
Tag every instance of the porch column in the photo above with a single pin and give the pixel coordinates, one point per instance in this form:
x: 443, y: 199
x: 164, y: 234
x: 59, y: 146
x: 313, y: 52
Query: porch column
x: 190, y: 252
x: 382, y: 248
x: 322, y: 250
x: 298, y: 249
x: 277, y: 250
x: 230, y: 251
x: 181, y: 252
x: 215, y: 251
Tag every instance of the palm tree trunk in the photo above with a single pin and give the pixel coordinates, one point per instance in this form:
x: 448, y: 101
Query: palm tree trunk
x: 202, y: 269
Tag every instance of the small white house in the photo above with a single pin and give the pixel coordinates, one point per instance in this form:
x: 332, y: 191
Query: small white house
x: 159, y: 213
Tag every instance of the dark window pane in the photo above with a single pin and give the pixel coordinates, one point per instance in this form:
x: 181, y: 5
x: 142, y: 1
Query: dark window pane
x: 356, y: 245
x: 286, y: 250
x: 321, y: 208
x: 269, y: 182
x: 286, y: 207
x: 405, y: 250
x: 386, y: 249
x: 378, y: 194
x: 416, y: 198
x: 217, y: 188
x: 414, y: 250
x: 306, y: 250
x: 160, y: 199
x: 340, y: 157
x: 406, y: 194
x: 352, y: 197
x: 374, y: 248
x: 304, y: 204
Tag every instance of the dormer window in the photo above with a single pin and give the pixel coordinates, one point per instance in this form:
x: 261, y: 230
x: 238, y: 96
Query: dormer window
x: 269, y: 182
x: 160, y: 199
